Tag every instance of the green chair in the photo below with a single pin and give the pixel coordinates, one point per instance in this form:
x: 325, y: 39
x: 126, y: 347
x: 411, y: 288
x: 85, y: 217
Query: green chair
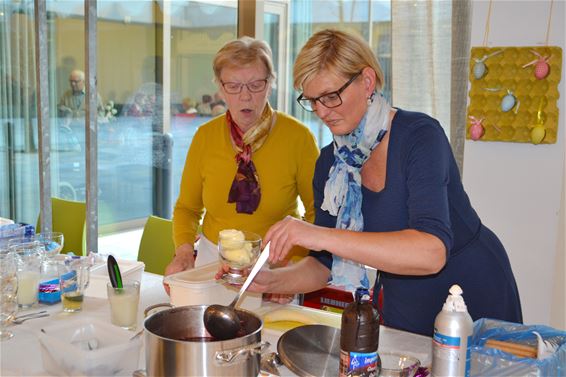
x: 69, y: 218
x: 156, y: 246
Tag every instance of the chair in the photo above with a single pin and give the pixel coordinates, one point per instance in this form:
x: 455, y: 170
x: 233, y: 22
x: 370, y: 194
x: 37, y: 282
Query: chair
x: 69, y: 218
x: 156, y: 246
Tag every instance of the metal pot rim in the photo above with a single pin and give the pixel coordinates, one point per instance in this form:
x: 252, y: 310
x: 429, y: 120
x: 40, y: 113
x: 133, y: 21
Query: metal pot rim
x: 228, y: 343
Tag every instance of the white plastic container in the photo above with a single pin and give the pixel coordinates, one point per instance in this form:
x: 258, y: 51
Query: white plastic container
x: 198, y: 287
x: 88, y: 347
x: 130, y: 271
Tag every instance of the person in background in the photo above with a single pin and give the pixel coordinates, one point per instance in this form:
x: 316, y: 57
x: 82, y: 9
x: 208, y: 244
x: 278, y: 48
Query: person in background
x: 218, y: 100
x: 246, y: 168
x: 204, y: 108
x: 188, y: 106
x: 388, y: 194
x: 73, y: 100
x: 218, y: 109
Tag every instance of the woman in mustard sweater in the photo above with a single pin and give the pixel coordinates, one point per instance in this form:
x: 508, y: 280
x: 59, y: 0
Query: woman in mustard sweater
x: 246, y: 168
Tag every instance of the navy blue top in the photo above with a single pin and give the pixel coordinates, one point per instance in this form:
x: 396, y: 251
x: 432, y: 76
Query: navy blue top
x: 423, y: 191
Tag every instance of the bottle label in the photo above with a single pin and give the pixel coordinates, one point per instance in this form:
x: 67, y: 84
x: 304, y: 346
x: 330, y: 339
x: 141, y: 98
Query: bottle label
x: 359, y: 364
x: 446, y: 341
x: 448, y: 358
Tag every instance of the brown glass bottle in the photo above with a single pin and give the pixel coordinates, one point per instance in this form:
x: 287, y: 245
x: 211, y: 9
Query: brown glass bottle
x: 359, y: 338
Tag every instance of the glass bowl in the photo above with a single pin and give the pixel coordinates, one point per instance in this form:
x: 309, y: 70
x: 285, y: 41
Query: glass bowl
x: 398, y: 365
x: 238, y: 251
x: 52, y: 242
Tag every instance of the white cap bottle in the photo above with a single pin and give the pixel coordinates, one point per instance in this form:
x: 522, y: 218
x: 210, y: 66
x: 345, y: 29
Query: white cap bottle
x: 453, y: 330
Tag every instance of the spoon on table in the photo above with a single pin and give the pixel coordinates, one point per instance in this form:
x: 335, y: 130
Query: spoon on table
x: 222, y: 322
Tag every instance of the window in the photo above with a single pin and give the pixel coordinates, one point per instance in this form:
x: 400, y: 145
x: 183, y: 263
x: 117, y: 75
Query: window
x: 140, y: 157
x: 154, y: 78
x: 371, y: 19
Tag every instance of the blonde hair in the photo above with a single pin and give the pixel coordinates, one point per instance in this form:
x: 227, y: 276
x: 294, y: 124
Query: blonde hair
x: 339, y: 52
x: 242, y: 52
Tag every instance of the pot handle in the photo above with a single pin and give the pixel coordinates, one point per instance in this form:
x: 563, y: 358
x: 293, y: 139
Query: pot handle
x: 227, y: 356
x: 151, y: 307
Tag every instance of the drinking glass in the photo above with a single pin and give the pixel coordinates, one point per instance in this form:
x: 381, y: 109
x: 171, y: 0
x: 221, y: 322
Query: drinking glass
x: 8, y: 292
x: 29, y: 258
x: 124, y: 304
x: 19, y: 241
x: 51, y: 241
x: 74, y: 273
x: 238, y: 252
x: 53, y: 244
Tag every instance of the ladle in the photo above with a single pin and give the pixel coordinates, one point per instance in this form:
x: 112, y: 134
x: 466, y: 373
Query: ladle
x: 222, y: 322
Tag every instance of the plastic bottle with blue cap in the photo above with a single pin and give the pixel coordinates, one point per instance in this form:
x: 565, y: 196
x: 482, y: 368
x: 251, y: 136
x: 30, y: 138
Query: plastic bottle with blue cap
x: 359, y: 338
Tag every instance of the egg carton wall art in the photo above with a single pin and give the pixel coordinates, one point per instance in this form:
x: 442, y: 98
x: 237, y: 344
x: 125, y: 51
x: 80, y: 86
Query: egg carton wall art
x: 514, y: 94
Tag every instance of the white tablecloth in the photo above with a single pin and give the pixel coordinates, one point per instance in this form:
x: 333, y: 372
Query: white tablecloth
x: 21, y: 355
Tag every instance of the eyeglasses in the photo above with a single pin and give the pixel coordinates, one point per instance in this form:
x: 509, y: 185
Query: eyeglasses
x: 75, y: 81
x: 255, y: 86
x: 329, y: 100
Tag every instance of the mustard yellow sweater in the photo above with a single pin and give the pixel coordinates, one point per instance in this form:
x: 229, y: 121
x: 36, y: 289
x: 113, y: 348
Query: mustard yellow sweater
x: 285, y: 166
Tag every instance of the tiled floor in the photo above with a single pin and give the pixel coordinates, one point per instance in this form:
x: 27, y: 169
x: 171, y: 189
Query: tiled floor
x: 121, y: 245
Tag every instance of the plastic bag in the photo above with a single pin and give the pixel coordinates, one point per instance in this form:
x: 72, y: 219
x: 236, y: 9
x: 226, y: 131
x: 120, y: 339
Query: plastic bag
x: 493, y: 362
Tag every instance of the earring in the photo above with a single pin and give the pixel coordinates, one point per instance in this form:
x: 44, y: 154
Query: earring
x: 370, y: 98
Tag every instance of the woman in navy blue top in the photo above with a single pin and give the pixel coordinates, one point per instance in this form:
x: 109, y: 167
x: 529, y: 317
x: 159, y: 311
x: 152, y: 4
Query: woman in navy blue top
x: 388, y: 194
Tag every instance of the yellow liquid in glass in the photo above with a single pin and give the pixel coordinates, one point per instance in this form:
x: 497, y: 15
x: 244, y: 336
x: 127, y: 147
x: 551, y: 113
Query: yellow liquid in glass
x: 72, y: 301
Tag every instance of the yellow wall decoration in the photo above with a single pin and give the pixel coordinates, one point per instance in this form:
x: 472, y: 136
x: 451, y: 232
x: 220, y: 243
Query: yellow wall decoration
x: 514, y: 94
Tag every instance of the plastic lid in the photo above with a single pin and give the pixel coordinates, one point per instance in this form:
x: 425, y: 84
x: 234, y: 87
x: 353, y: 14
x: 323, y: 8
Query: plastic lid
x: 126, y: 267
x: 199, y: 276
x: 455, y: 301
x: 362, y: 295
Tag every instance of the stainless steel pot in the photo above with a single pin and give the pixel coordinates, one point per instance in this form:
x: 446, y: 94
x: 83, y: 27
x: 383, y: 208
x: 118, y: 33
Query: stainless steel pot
x: 177, y: 344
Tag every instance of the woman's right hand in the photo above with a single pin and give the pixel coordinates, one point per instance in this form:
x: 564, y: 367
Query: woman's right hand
x: 184, y: 260
x: 290, y: 232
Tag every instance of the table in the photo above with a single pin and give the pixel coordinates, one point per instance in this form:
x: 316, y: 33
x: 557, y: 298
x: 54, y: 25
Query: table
x: 21, y: 355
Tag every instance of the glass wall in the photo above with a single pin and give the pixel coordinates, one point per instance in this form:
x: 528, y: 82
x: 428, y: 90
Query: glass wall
x: 19, y: 173
x: 139, y: 157
x: 370, y: 19
x: 155, y: 88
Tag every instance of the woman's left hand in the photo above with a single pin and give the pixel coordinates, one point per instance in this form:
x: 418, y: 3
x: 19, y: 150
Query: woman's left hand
x: 290, y: 232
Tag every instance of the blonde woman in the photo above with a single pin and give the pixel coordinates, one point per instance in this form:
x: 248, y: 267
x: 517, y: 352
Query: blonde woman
x: 388, y: 194
x: 245, y: 169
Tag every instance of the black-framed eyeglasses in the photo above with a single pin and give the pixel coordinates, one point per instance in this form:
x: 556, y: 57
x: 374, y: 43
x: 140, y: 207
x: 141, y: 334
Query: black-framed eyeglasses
x: 329, y: 100
x: 255, y: 86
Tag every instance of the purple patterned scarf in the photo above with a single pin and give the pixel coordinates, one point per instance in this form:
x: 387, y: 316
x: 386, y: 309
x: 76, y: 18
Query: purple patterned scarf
x: 245, y: 190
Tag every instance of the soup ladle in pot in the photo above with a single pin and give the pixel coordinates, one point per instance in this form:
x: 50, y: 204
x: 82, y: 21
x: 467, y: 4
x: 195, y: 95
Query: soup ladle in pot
x: 222, y: 322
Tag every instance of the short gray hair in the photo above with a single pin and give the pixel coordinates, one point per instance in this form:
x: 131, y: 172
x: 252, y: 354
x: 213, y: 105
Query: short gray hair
x: 242, y: 52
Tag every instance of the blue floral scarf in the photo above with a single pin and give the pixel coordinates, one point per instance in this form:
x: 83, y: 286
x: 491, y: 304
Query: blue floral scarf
x: 343, y: 190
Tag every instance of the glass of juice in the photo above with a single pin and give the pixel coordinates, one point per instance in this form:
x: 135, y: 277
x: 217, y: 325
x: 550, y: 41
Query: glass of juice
x: 29, y: 257
x: 124, y: 304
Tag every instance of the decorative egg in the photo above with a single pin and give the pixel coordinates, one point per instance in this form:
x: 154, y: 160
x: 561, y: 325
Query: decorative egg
x: 476, y: 131
x: 508, y: 102
x: 537, y: 134
x: 542, y: 69
x: 479, y: 70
